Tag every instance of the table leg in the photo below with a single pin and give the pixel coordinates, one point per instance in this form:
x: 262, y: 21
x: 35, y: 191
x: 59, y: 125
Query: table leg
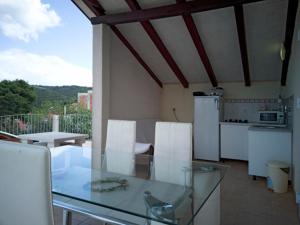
x: 79, y: 142
x: 30, y: 142
x: 54, y: 144
x: 67, y: 217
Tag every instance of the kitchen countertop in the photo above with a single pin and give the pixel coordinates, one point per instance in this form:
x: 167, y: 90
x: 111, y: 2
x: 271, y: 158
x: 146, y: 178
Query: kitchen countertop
x: 254, y: 124
x: 238, y: 124
x: 269, y: 129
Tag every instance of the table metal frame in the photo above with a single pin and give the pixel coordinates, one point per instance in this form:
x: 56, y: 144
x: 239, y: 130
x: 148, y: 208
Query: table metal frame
x: 69, y: 208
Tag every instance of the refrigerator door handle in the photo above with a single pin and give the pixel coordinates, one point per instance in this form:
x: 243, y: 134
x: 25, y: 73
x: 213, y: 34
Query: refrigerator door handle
x: 217, y: 104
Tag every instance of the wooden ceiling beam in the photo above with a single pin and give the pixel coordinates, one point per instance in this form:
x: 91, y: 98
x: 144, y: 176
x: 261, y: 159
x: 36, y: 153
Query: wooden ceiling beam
x: 240, y: 23
x: 191, y: 26
x: 189, y: 7
x: 289, y: 33
x: 98, y: 10
x: 148, y: 27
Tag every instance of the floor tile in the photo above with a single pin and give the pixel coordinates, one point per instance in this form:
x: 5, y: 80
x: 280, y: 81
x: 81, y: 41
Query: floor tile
x: 248, y: 202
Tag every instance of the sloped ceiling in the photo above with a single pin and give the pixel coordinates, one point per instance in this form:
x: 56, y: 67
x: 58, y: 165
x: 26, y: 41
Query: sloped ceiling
x: 265, y: 30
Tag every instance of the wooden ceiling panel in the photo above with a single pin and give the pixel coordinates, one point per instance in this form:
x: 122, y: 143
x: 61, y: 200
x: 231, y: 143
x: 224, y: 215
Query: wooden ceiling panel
x: 265, y: 26
x: 219, y: 36
x: 152, y: 33
x: 143, y: 44
x: 265, y: 30
x: 176, y: 37
x: 114, y: 6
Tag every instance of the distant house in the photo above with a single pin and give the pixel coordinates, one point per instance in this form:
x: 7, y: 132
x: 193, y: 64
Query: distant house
x: 85, y: 100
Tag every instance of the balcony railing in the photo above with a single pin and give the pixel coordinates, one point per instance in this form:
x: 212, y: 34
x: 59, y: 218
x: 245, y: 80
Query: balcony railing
x: 38, y: 123
x: 76, y: 123
x: 25, y: 123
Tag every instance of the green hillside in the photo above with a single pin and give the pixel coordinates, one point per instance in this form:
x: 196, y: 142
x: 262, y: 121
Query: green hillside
x: 57, y: 94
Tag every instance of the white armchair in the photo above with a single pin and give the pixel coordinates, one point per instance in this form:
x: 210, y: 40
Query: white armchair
x: 120, y: 146
x: 25, y: 189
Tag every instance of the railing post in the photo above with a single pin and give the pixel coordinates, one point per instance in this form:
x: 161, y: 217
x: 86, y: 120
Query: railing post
x: 55, y: 123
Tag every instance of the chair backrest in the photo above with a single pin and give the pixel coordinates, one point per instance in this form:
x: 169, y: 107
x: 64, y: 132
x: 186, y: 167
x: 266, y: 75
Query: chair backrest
x: 145, y: 130
x: 120, y: 146
x: 25, y: 185
x: 173, y: 152
x: 9, y: 137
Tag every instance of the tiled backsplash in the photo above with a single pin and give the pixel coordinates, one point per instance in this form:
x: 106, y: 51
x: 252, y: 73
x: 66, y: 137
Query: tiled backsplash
x: 289, y: 102
x: 247, y: 109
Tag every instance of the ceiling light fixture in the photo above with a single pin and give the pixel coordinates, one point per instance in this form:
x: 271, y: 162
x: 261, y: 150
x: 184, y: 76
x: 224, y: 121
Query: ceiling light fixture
x: 282, y: 52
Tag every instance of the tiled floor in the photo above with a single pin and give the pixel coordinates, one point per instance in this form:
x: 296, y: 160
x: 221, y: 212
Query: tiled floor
x: 248, y: 202
x: 243, y: 202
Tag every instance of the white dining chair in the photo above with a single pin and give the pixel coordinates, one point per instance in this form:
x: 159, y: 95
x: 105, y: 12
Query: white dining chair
x: 25, y: 189
x: 119, y: 151
x: 173, y: 152
x: 120, y: 146
x: 173, y: 155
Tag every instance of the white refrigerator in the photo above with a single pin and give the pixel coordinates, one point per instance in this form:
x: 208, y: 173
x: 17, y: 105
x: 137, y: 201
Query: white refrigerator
x: 206, y: 128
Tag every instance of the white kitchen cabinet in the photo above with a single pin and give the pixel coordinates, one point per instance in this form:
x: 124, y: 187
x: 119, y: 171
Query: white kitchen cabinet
x: 234, y: 141
x: 268, y: 144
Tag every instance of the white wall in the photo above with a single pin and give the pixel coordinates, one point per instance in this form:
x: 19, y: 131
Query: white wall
x: 293, y: 88
x: 133, y: 93
x: 175, y: 96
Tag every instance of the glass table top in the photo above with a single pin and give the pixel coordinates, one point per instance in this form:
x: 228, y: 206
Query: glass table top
x: 162, y: 189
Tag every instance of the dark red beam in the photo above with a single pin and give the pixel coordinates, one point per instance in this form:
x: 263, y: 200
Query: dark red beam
x: 98, y: 10
x: 289, y: 33
x: 148, y: 27
x: 95, y: 7
x: 191, y: 26
x: 177, y: 9
x: 240, y: 23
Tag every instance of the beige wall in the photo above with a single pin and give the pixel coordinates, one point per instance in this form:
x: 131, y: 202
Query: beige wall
x: 175, y: 96
x: 293, y: 88
x: 133, y: 93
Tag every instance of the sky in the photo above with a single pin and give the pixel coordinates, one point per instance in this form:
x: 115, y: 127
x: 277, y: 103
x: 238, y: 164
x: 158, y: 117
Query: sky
x: 45, y: 42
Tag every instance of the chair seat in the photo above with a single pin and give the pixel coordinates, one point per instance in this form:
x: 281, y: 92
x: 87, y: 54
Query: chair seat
x: 9, y: 137
x: 141, y: 148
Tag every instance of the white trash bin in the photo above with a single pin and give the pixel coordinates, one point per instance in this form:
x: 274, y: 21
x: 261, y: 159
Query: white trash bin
x: 278, y: 173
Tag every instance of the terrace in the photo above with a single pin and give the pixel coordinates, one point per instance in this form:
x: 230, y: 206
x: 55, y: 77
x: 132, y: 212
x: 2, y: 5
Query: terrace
x: 157, y: 69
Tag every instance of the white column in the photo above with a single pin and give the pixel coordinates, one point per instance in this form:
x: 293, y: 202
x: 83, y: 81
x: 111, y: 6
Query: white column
x: 55, y: 123
x: 100, y: 114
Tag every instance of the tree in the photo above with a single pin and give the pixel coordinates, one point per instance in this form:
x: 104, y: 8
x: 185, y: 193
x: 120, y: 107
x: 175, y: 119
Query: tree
x: 16, y: 97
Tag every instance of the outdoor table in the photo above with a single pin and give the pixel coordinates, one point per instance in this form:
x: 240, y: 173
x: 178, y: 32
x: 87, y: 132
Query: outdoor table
x: 79, y: 188
x: 53, y: 139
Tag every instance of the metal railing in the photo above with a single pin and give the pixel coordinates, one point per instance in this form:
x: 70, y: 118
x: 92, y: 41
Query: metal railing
x: 25, y: 123
x: 76, y: 123
x: 38, y: 123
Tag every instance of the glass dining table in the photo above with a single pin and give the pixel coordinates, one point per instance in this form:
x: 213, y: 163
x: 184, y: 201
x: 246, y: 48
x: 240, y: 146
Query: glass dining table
x: 157, y: 190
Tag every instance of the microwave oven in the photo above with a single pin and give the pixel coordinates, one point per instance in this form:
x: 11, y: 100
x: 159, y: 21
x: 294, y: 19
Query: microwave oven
x: 274, y: 117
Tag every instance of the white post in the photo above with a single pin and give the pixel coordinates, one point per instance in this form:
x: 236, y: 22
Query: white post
x: 55, y: 123
x: 100, y: 111
x: 89, y: 100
